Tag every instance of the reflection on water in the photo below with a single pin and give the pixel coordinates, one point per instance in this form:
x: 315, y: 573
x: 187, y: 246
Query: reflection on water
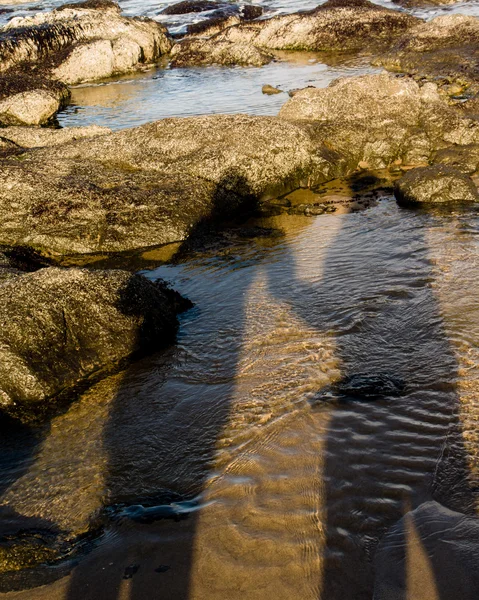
x: 294, y: 491
x: 187, y: 92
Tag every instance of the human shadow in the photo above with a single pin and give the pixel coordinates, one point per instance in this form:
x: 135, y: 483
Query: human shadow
x: 161, y: 436
x: 394, y: 435
x: 385, y: 452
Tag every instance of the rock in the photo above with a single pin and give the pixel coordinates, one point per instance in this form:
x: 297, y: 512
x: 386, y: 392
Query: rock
x: 190, y: 6
x: 36, y: 137
x: 463, y: 158
x: 82, y: 42
x: 375, y: 120
x: 270, y: 90
x: 337, y: 25
x: 196, y: 52
x: 374, y: 97
x: 61, y: 327
x: 370, y: 386
x: 250, y: 12
x: 445, y: 47
x: 226, y: 16
x: 430, y: 553
x: 435, y: 184
x: 29, y: 100
x: 153, y: 184
x: 212, y: 26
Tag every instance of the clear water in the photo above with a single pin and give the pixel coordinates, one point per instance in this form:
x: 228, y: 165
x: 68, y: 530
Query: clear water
x: 294, y: 490
x: 168, y: 92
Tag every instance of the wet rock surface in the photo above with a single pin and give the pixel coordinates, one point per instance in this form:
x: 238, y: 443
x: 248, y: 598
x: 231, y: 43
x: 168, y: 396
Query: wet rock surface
x: 337, y: 25
x: 430, y: 553
x: 150, y: 185
x: 435, y: 184
x: 61, y: 327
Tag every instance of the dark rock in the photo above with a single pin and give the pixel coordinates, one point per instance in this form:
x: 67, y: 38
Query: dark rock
x: 435, y: 184
x: 463, y: 158
x: 430, y: 553
x: 93, y: 5
x: 130, y: 571
x: 370, y: 386
x: 190, y: 6
x: 209, y: 27
x: 250, y: 12
x: 61, y: 327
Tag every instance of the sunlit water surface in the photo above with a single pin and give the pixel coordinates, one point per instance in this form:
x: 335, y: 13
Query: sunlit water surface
x: 167, y: 92
x: 295, y: 485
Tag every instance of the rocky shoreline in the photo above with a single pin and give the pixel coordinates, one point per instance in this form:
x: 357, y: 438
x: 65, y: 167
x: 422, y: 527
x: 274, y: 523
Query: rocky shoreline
x: 68, y: 195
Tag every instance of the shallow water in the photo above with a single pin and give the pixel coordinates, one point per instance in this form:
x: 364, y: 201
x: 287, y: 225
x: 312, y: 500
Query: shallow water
x: 295, y: 484
x: 187, y: 92
x: 164, y: 92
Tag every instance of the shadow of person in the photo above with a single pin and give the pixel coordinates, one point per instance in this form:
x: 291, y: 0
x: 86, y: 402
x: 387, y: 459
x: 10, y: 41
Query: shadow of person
x: 394, y: 436
x: 162, y: 432
x: 370, y: 288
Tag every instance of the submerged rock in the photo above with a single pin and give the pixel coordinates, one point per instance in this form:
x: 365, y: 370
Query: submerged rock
x: 61, y: 327
x: 430, y: 553
x: 153, y: 184
x: 435, y: 184
x: 81, y: 42
x: 370, y: 386
x: 29, y: 99
x: 337, y: 25
x: 446, y: 47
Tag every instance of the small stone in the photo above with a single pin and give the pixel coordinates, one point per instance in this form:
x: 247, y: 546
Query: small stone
x: 130, y: 571
x: 270, y: 90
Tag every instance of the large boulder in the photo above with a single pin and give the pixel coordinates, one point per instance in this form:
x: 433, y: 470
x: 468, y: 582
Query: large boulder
x: 430, y: 553
x: 445, y: 47
x: 436, y: 184
x: 151, y: 185
x: 380, y: 119
x: 29, y: 99
x: 337, y: 25
x: 82, y: 42
x: 61, y: 327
